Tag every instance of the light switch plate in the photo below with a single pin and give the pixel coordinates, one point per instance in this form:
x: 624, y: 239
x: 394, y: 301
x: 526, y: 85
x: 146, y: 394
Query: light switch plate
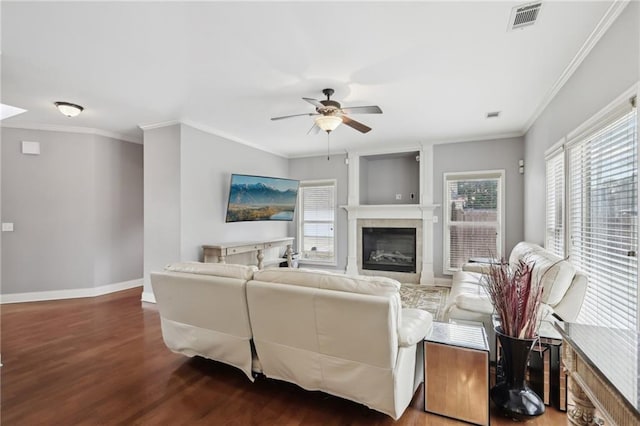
x: 7, y: 227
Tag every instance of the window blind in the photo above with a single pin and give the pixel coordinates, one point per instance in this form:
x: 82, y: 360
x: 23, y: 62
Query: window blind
x: 317, y: 217
x: 473, y: 218
x: 603, y: 220
x: 555, y: 229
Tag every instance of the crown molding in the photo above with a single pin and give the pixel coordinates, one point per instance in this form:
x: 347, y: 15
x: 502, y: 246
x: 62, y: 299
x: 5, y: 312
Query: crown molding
x: 216, y: 132
x: 211, y: 131
x: 477, y: 138
x: 603, y: 25
x: 158, y: 125
x: 71, y: 129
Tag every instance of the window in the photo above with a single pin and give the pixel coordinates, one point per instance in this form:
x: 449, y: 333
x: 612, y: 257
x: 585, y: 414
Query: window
x: 554, y: 238
x: 316, y: 221
x: 602, y: 186
x: 474, y: 217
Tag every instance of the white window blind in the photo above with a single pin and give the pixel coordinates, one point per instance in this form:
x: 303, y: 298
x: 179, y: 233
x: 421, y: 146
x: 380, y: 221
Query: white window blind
x: 473, y: 217
x: 555, y: 229
x: 603, y: 220
x: 317, y: 221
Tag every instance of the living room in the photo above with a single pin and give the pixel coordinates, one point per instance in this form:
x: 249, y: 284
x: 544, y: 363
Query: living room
x: 178, y: 97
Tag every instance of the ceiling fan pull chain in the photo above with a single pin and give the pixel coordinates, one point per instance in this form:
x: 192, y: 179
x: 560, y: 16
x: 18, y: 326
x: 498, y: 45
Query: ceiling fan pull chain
x: 328, y: 134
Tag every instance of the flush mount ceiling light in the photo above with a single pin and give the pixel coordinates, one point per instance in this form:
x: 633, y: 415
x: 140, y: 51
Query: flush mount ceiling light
x: 68, y: 109
x: 328, y: 123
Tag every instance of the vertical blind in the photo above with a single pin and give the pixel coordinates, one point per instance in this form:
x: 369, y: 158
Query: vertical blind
x: 554, y: 239
x: 473, y: 218
x: 317, y: 217
x: 603, y: 219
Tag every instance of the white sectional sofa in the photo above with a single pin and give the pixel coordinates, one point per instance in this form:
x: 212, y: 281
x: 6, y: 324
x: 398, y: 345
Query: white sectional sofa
x: 563, y: 294
x: 344, y: 335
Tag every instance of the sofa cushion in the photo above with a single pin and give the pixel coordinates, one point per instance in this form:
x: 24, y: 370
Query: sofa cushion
x: 228, y: 270
x: 379, y: 286
x: 554, y: 274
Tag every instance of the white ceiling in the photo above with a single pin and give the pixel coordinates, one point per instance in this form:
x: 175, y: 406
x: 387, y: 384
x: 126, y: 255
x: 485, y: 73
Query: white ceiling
x: 435, y: 68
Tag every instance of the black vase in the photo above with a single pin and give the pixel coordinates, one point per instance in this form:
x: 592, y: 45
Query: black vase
x: 512, y: 395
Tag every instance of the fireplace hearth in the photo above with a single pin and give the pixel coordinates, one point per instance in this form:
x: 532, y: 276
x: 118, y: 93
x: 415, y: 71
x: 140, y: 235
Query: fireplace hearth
x: 389, y: 249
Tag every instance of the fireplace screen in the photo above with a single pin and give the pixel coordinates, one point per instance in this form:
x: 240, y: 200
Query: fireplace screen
x: 389, y: 249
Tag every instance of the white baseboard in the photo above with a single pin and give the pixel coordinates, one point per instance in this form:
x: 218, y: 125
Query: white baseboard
x: 148, y: 296
x: 39, y: 296
x: 443, y: 282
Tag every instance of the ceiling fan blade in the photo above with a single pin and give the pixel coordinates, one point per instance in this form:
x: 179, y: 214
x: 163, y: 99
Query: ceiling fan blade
x: 372, y: 109
x: 316, y: 103
x: 314, y: 129
x: 294, y: 115
x: 355, y: 124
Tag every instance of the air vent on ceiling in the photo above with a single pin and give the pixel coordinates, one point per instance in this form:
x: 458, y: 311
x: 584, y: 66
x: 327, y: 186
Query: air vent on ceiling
x: 493, y: 114
x: 524, y: 15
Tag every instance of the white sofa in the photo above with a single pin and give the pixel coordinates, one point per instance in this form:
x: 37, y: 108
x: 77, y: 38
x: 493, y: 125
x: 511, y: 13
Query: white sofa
x: 563, y: 293
x: 344, y: 335
x: 203, y: 311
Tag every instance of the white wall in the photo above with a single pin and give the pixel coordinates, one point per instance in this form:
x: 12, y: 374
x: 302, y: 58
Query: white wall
x: 186, y: 181
x: 76, y: 210
x: 611, y: 68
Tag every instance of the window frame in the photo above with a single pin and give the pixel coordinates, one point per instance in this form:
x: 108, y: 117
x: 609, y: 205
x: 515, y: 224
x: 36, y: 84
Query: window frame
x: 584, y: 133
x: 447, y: 177
x: 333, y: 183
x: 552, y: 154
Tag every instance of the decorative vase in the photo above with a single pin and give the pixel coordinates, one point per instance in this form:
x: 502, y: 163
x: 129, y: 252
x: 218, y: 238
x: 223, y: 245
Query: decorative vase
x: 512, y: 395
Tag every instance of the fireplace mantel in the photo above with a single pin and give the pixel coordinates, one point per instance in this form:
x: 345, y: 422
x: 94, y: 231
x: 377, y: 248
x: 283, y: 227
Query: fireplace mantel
x: 390, y: 211
x: 420, y: 215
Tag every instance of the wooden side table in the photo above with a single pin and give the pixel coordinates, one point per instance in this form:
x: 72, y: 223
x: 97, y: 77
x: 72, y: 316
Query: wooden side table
x: 456, y: 368
x: 218, y: 253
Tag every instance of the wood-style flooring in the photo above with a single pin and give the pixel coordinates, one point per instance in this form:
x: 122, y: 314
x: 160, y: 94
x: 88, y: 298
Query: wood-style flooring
x: 102, y: 361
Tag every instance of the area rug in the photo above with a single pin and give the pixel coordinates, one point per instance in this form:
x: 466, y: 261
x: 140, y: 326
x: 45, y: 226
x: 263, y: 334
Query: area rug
x: 431, y: 299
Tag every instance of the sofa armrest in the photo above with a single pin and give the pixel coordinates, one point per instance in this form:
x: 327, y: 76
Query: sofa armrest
x: 474, y: 303
x: 480, y: 268
x: 416, y: 324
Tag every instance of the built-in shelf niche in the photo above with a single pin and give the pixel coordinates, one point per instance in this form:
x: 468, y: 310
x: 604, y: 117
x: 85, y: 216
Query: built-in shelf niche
x: 385, y: 176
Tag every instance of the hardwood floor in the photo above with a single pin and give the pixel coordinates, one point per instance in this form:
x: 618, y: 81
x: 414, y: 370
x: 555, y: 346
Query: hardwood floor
x: 102, y: 361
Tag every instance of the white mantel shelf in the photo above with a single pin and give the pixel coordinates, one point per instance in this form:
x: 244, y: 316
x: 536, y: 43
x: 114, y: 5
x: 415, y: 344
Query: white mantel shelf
x: 365, y: 207
x: 396, y: 211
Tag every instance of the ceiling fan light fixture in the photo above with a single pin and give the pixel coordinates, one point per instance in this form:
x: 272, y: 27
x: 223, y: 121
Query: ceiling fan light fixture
x: 328, y: 123
x: 69, y: 109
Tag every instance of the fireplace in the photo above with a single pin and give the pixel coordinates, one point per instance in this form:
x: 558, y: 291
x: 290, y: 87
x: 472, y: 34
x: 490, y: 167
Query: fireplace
x: 389, y: 249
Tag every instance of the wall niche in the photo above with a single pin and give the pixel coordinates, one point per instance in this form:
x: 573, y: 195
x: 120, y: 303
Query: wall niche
x: 390, y: 178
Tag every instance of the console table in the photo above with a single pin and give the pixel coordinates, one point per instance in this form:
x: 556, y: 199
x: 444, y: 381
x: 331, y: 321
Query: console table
x: 219, y: 252
x: 603, y: 367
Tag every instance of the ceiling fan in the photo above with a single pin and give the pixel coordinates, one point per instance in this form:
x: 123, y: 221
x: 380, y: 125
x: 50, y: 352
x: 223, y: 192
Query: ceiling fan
x: 330, y: 114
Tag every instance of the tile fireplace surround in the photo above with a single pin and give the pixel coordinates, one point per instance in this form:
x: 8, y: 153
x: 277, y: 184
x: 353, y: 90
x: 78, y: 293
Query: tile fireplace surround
x: 419, y: 217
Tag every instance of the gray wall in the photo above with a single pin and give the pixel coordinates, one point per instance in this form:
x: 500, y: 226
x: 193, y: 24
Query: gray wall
x: 207, y: 164
x: 610, y: 69
x: 476, y: 156
x: 186, y: 182
x: 60, y: 204
x: 384, y: 176
x: 161, y: 199
x: 316, y: 168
